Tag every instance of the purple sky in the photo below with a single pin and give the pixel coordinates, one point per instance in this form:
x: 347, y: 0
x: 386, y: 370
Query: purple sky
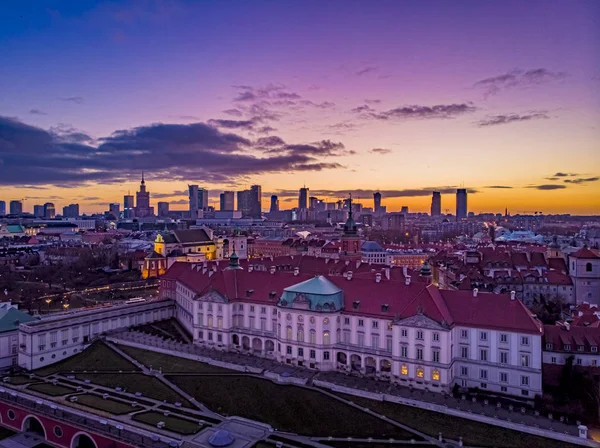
x: 400, y: 96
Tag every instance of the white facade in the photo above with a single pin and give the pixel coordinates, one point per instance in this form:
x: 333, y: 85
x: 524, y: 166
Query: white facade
x: 585, y: 273
x: 58, y: 337
x: 8, y: 349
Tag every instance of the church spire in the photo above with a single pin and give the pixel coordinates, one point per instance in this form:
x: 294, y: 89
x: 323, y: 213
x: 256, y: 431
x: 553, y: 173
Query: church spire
x: 143, y: 182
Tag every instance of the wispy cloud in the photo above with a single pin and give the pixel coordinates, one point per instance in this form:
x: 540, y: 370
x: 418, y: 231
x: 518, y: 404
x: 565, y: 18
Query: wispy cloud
x: 499, y: 187
x: 366, y: 71
x: 548, y: 187
x: 73, y: 99
x: 494, y: 120
x: 518, y: 79
x: 439, y: 111
x: 233, y: 112
x: 37, y: 112
x: 381, y: 151
x: 372, y: 101
x: 582, y: 180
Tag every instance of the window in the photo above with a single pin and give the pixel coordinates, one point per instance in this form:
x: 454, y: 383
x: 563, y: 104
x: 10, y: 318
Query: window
x: 420, y: 372
x: 326, y: 356
x: 403, y: 351
x: 504, y: 389
x: 361, y: 323
x: 464, y: 371
x: 524, y: 340
x: 404, y: 369
x: 404, y: 333
x: 346, y: 336
x: 436, y: 337
x: 300, y: 352
x: 288, y: 333
x: 567, y: 347
x: 548, y: 345
x: 483, y: 374
x: 263, y: 310
x: 503, y: 377
x: 326, y: 338
x: 435, y: 375
x: 219, y: 337
x: 361, y: 339
x: 436, y: 356
x: 464, y: 334
x: 312, y: 354
x: 251, y: 308
x: 483, y: 335
x: 210, y: 307
x: 210, y: 336
x: 524, y: 392
x: 588, y: 267
x: 594, y: 348
x: 503, y: 338
x: 580, y: 348
x: 419, y: 353
x: 346, y: 320
x: 210, y: 321
x: 483, y: 354
x: 503, y: 357
x: 554, y: 360
x: 200, y: 335
x: 579, y: 361
x: 483, y: 385
x: 300, y: 335
x: 388, y: 344
x: 420, y: 335
x: 312, y: 337
x: 464, y: 352
x: 375, y: 324
x: 375, y: 341
x: 524, y: 360
x: 288, y: 349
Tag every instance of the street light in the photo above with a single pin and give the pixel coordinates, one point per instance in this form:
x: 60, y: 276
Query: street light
x: 48, y: 302
x: 66, y: 306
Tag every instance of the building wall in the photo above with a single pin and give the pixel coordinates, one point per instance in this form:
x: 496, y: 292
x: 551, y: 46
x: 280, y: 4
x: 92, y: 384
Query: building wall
x: 8, y: 349
x: 585, y: 280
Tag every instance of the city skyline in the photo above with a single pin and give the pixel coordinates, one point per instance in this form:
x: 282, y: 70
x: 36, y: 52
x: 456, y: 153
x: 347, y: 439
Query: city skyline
x: 375, y: 97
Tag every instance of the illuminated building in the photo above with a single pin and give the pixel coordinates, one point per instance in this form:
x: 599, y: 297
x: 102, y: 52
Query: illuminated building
x: 143, y: 209
x: 49, y: 210
x: 128, y: 206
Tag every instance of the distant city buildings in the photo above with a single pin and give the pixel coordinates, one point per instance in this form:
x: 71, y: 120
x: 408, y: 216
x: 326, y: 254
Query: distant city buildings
x: 436, y: 203
x: 16, y: 207
x: 128, y: 206
x: 38, y: 211
x: 249, y: 202
x: 163, y: 209
x: 461, y: 203
x: 49, y: 210
x: 274, y: 204
x: 114, y: 209
x: 198, y: 200
x: 303, y: 198
x: 143, y: 209
x: 377, y: 202
x: 2, y: 208
x: 226, y: 201
x: 71, y: 211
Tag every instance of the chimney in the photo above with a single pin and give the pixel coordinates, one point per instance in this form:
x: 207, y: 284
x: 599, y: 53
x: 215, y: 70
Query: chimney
x: 513, y: 295
x: 349, y: 275
x: 377, y: 277
x: 296, y: 271
x: 272, y: 269
x: 405, y: 270
x: 407, y: 280
x: 250, y: 268
x: 475, y: 292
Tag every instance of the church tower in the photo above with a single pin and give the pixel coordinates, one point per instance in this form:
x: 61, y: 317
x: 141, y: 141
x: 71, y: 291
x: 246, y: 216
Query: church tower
x: 350, y: 239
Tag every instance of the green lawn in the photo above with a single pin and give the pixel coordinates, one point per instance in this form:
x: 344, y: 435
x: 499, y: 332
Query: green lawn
x: 21, y: 379
x: 98, y: 357
x: 150, y: 387
x: 109, y: 405
x: 473, y: 433
x: 170, y: 363
x: 172, y: 423
x: 286, y: 408
x: 51, y: 389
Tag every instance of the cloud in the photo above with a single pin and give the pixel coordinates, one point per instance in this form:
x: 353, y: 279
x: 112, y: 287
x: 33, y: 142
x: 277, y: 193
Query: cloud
x: 73, y: 99
x: 439, y: 111
x: 365, y: 71
x: 500, y: 187
x: 373, y: 101
x: 581, y: 180
x: 233, y: 112
x: 270, y: 142
x: 345, y: 126
x: 37, y: 112
x: 321, y: 148
x: 564, y: 174
x: 179, y: 202
x: 322, y: 105
x: 168, y: 195
x: 232, y: 124
x: 494, y: 120
x: 265, y: 130
x: 380, y: 151
x: 518, y: 79
x: 91, y: 198
x: 548, y: 187
x: 170, y: 152
x: 268, y: 92
x: 185, y: 117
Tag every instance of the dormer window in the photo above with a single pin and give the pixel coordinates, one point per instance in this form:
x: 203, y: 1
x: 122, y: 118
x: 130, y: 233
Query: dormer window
x: 594, y: 349
x: 384, y: 308
x: 355, y: 304
x: 548, y: 345
x: 580, y: 348
x: 567, y: 347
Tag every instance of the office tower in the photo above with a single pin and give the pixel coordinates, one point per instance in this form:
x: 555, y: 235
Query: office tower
x: 226, y: 200
x: 142, y: 199
x: 347, y: 204
x: 128, y: 206
x: 71, y: 211
x: 436, y: 203
x: 16, y: 207
x: 255, y: 201
x: 404, y: 209
x: 312, y: 202
x: 38, y: 211
x: 303, y: 198
x: 163, y: 209
x: 461, y: 203
x: 274, y: 204
x: 198, y: 200
x: 243, y: 202
x: 49, y: 210
x: 376, y: 202
x: 2, y: 208
x: 114, y: 209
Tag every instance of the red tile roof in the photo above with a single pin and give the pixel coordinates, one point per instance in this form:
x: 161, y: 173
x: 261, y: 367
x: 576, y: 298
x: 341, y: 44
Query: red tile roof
x: 585, y: 253
x: 557, y: 264
x: 575, y: 336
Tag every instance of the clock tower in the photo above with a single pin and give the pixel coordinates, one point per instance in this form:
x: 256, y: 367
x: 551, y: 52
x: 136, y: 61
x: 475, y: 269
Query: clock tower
x: 350, y: 238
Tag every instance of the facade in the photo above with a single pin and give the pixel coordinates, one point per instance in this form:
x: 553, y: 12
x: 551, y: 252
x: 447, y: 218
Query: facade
x: 142, y: 200
x: 49, y: 210
x: 376, y: 202
x: 10, y: 319
x: 584, y: 268
x: 71, y: 211
x: 244, y: 202
x: 412, y: 332
x: 128, y: 206
x: 436, y: 203
x: 255, y: 201
x: 52, y: 339
x: 38, y: 211
x: 16, y: 207
x: 303, y: 198
x: 2, y: 208
x: 114, y: 209
x: 461, y: 203
x: 198, y: 200
x: 226, y: 201
x: 186, y: 242
x: 274, y: 204
x: 163, y: 209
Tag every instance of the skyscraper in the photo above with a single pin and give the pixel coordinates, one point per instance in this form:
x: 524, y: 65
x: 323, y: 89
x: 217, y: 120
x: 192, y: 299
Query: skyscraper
x: 128, y: 206
x: 312, y: 202
x: 49, y: 210
x: 16, y: 207
x: 461, y: 203
x: 142, y: 199
x: 436, y: 203
x: 114, y: 208
x: 2, y: 208
x: 256, y: 201
x: 38, y: 211
x: 198, y: 200
x: 71, y: 211
x: 303, y: 198
x: 226, y: 200
x: 163, y: 209
x: 376, y: 202
x: 274, y: 204
x: 243, y: 202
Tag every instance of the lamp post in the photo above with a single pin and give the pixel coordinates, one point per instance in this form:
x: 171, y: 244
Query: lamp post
x: 66, y: 306
x: 48, y: 302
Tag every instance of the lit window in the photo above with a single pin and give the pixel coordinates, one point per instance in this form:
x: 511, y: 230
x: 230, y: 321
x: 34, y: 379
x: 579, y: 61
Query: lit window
x: 435, y: 375
x: 326, y: 338
x: 420, y: 372
x: 404, y: 370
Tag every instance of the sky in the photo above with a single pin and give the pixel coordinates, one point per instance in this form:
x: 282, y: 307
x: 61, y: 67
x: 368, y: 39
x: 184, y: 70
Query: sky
x: 402, y: 97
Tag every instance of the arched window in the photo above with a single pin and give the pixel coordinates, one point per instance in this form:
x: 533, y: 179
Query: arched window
x: 588, y: 267
x: 326, y: 338
x: 288, y: 333
x: 300, y: 335
x: 435, y: 375
x: 313, y: 336
x: 420, y: 372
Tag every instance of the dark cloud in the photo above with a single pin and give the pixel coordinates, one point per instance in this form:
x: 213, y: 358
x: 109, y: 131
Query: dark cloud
x: 495, y: 120
x: 380, y: 151
x: 174, y: 152
x: 581, y: 180
x: 518, y: 79
x: 233, y: 112
x: 270, y: 142
x: 439, y: 111
x: 345, y: 126
x: 565, y: 174
x: 232, y: 124
x: 366, y: 71
x: 372, y: 101
x: 268, y: 92
x: 185, y: 117
x: 179, y: 202
x: 168, y: 195
x: 323, y: 105
x: 322, y: 148
x: 317, y: 166
x: 265, y: 130
x: 73, y: 99
x: 500, y: 187
x: 37, y: 112
x: 91, y: 198
x: 548, y: 187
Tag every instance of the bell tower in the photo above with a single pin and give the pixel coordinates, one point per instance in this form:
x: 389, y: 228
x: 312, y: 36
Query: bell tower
x: 350, y: 238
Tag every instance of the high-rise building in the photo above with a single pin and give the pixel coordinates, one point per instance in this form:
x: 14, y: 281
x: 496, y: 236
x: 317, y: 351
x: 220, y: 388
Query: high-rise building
x: 461, y: 203
x: 163, y: 209
x: 303, y: 198
x: 49, y: 210
x: 376, y: 202
x: 114, y: 209
x: 16, y: 207
x: 312, y: 202
x: 226, y: 201
x: 2, y: 208
x: 274, y: 204
x: 128, y: 206
x: 198, y: 200
x: 244, y: 202
x: 436, y: 203
x: 142, y: 200
x: 38, y: 211
x: 256, y: 201
x: 404, y: 209
x: 71, y: 211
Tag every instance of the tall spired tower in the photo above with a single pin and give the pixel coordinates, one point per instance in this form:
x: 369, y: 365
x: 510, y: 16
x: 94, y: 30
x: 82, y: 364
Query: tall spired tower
x: 143, y: 209
x: 350, y: 238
